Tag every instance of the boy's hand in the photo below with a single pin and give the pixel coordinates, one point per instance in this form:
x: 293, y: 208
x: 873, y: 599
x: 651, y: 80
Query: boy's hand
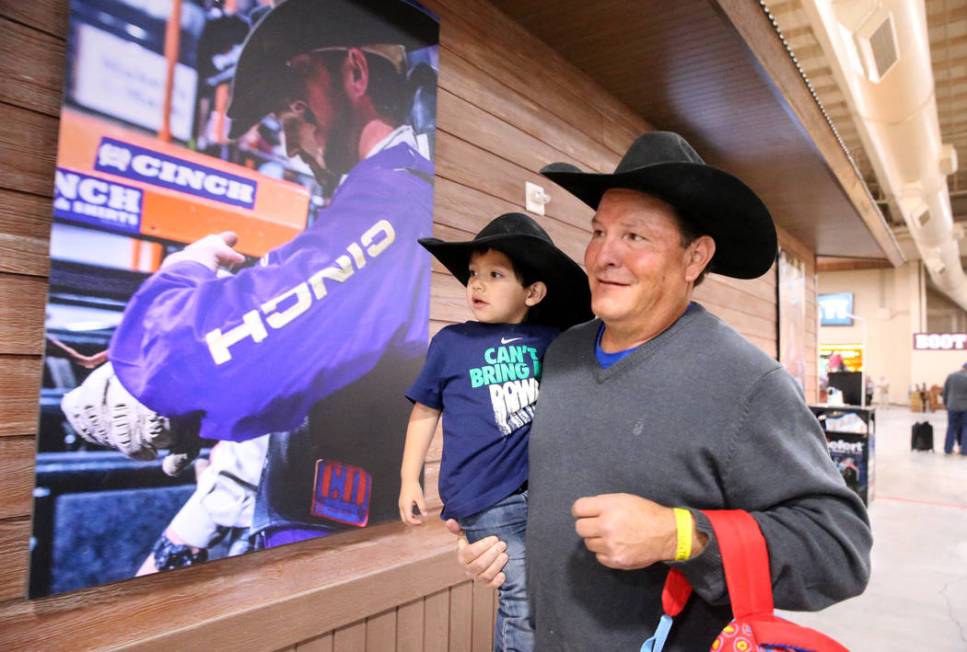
x: 411, y: 494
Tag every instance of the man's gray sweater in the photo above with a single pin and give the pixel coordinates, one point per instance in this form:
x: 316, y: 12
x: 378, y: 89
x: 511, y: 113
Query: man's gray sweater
x: 700, y: 418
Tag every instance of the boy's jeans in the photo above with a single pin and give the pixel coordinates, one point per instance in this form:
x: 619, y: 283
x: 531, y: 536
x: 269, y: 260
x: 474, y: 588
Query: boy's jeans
x: 507, y: 520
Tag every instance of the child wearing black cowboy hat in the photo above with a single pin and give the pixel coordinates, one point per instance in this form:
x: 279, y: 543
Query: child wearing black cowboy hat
x: 483, y: 376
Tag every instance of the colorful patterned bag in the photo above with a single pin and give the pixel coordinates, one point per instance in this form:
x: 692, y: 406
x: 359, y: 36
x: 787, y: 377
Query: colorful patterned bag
x: 754, y: 628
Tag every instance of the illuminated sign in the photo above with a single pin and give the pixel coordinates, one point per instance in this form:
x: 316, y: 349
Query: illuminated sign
x: 145, y: 165
x: 939, y: 341
x: 836, y: 309
x: 91, y: 200
x: 120, y: 78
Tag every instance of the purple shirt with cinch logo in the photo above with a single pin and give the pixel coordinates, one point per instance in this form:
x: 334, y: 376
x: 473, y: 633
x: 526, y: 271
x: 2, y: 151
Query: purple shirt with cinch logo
x: 254, y: 351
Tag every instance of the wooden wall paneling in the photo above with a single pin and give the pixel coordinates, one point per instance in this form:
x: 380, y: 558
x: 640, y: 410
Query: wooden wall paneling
x: 435, y: 452
x: 20, y: 389
x: 431, y: 488
x: 509, y: 51
x: 22, y: 303
x: 381, y: 632
x: 491, y: 94
x: 351, y: 638
x: 319, y: 644
x: 49, y: 16
x: 24, y: 233
x: 491, y: 49
x: 436, y: 622
x: 759, y: 325
x: 409, y: 630
x: 448, y: 300
x: 14, y: 546
x: 714, y: 292
x: 312, y: 587
x: 31, y: 67
x: 28, y: 149
x: 17, y: 454
x: 464, y: 120
x: 482, y: 627
x: 471, y: 166
x: 461, y: 618
x: 469, y: 209
x: 763, y: 287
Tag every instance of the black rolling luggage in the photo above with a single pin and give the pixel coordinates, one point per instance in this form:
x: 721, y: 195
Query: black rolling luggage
x: 921, y: 439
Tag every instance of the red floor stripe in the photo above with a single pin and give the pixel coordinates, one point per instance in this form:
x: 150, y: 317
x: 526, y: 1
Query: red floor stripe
x: 920, y: 502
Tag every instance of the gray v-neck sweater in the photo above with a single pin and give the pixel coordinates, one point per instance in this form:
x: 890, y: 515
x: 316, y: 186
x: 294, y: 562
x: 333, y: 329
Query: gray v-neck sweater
x: 700, y: 418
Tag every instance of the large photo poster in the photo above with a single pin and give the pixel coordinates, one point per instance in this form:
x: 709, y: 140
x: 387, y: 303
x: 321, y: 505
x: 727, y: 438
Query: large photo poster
x: 237, y: 297
x: 792, y: 316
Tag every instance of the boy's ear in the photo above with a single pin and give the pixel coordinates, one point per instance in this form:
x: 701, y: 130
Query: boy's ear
x: 536, y: 292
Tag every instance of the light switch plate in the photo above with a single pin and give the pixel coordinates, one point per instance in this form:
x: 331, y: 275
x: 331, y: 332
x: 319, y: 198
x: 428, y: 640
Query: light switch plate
x: 535, y: 198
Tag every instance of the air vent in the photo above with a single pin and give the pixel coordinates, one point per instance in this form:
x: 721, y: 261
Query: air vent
x: 876, y: 44
x: 869, y: 33
x: 882, y: 46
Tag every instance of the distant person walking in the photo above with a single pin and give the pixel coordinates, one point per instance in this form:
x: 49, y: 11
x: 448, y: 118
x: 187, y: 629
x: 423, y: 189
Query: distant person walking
x: 955, y: 400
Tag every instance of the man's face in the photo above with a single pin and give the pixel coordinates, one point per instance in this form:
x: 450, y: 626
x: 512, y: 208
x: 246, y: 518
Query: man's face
x: 316, y: 124
x: 636, y: 264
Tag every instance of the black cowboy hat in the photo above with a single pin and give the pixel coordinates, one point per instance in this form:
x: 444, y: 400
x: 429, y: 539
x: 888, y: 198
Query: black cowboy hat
x: 568, y: 300
x: 713, y: 202
x: 262, y: 76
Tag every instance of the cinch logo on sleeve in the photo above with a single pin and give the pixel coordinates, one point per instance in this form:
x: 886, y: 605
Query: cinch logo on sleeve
x: 511, y: 375
x: 101, y: 203
x: 279, y: 311
x: 133, y: 162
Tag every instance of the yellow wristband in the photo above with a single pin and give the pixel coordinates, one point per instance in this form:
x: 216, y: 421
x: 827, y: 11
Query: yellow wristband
x: 683, y: 524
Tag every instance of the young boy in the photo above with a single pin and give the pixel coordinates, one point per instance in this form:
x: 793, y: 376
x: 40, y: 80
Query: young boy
x: 483, y: 376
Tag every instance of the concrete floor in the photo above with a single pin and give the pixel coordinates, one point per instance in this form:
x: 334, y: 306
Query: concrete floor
x: 917, y: 596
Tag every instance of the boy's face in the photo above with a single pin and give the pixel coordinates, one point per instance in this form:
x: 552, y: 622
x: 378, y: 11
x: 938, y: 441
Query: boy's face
x: 495, y: 294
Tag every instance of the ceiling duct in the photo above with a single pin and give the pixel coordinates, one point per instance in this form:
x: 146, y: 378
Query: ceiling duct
x: 879, y: 51
x: 867, y: 30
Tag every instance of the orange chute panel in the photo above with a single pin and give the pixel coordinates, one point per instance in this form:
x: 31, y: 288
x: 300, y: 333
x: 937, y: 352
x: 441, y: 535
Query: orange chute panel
x: 187, y: 195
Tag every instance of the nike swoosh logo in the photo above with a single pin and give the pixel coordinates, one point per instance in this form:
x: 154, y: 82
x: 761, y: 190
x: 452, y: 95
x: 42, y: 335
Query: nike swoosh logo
x: 504, y: 340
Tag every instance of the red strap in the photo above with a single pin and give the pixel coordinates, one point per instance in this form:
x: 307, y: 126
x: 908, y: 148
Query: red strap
x: 676, y: 593
x: 745, y: 559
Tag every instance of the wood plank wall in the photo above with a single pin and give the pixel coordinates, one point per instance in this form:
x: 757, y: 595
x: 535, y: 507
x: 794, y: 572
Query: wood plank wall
x: 508, y: 105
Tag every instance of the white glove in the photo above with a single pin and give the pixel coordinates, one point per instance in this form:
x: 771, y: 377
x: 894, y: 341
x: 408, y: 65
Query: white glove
x: 103, y: 412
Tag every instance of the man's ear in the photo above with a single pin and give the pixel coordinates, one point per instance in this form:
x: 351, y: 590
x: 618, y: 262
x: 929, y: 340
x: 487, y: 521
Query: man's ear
x: 536, y: 292
x: 697, y: 256
x: 355, y: 74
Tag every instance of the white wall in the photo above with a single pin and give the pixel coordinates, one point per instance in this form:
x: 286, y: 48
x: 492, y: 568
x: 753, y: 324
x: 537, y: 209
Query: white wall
x: 891, y: 303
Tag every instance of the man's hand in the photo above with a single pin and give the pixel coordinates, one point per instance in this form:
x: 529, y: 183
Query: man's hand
x: 211, y: 251
x: 626, y: 532
x: 103, y: 412
x: 481, y: 561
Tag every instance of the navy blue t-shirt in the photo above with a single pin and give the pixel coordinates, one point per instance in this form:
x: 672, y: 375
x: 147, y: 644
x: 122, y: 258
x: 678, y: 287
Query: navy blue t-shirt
x: 485, y: 378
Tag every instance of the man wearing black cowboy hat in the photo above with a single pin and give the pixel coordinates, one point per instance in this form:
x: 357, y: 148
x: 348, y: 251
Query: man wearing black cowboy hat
x: 657, y: 410
x: 317, y: 344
